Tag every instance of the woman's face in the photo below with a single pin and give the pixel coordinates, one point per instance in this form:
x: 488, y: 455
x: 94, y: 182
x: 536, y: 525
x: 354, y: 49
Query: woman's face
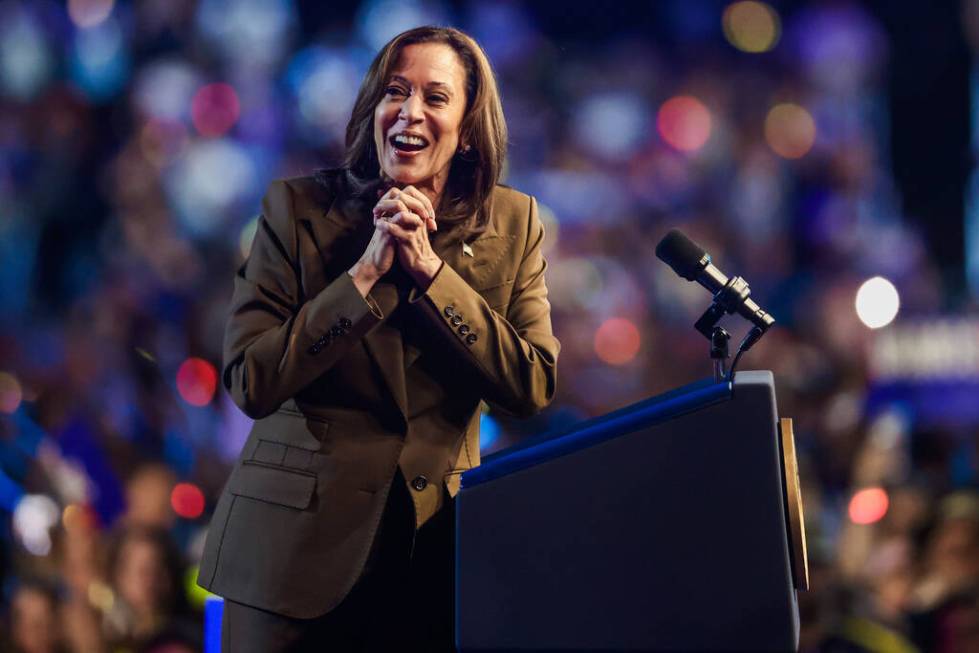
x: 416, y: 123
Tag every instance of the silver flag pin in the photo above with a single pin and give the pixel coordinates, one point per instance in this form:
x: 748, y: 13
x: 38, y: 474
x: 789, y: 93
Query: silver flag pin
x: 467, y: 250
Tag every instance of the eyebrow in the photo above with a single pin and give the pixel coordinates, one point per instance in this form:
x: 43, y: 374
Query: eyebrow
x: 431, y: 85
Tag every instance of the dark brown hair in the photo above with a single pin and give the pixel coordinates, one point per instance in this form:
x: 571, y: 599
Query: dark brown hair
x: 473, y: 175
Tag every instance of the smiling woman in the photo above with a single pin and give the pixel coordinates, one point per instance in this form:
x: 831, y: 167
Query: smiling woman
x: 381, y: 303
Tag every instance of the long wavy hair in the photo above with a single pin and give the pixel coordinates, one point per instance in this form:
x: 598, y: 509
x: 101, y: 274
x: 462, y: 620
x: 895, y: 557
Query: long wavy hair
x: 473, y: 175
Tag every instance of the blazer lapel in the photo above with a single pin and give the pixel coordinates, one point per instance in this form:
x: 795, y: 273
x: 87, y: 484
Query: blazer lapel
x: 386, y: 345
x: 477, y: 260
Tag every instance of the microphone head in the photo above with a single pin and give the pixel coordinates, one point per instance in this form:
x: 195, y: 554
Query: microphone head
x: 686, y: 257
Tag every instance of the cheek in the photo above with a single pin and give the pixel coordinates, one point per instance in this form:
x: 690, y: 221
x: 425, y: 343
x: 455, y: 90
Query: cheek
x: 382, y: 121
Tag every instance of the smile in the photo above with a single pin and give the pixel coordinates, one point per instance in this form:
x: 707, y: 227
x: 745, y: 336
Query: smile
x: 408, y: 143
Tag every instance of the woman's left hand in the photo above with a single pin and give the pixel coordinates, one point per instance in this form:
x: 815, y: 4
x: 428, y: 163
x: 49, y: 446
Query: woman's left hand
x: 410, y: 232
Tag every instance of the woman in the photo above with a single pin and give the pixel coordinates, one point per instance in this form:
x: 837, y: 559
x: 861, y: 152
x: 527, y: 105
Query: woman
x: 381, y: 302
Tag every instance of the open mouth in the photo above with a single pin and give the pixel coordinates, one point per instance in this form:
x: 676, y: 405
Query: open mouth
x: 408, y: 142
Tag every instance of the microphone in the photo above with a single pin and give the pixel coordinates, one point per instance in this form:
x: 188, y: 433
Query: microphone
x: 693, y: 263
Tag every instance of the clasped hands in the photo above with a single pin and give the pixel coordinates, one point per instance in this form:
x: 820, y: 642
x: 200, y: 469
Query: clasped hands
x: 402, y: 219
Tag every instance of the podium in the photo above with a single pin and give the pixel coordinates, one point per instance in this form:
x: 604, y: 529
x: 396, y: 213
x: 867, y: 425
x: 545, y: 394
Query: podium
x: 672, y: 524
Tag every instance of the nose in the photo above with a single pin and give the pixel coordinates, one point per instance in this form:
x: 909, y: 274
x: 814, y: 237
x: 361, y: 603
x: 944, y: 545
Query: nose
x: 411, y: 108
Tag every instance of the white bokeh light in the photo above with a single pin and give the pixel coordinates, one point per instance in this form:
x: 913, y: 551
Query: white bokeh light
x: 33, y: 519
x: 877, y: 302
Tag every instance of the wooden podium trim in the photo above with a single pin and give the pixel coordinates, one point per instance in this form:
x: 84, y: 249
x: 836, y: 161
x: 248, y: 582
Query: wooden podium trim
x: 793, y: 499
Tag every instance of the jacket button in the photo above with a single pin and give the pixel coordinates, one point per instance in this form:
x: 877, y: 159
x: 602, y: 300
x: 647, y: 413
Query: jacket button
x: 471, y: 338
x: 419, y: 483
x: 463, y: 329
x: 456, y: 320
x: 345, y: 323
x: 336, y: 331
x: 315, y: 349
x: 450, y: 310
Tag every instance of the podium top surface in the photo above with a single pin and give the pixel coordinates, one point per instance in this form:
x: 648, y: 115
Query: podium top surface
x: 653, y: 410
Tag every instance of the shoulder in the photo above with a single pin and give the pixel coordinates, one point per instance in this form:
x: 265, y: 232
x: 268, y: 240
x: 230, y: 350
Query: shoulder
x: 513, y: 212
x: 293, y: 196
x: 510, y: 200
x: 289, y: 199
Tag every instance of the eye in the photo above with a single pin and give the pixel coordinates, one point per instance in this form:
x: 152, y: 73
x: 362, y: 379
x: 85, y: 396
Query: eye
x: 438, y: 98
x: 396, y: 91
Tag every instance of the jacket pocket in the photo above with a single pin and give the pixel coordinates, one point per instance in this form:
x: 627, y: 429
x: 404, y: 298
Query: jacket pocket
x: 279, y: 485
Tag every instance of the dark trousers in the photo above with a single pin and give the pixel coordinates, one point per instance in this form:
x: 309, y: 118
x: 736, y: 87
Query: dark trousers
x: 403, y: 602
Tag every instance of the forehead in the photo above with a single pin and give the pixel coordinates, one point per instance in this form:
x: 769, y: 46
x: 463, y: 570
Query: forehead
x: 425, y: 63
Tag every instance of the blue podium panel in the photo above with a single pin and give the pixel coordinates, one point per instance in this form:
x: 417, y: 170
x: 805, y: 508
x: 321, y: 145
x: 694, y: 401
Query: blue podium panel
x: 659, y: 526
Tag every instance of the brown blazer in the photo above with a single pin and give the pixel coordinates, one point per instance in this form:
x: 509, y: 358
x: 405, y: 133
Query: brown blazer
x: 345, y: 390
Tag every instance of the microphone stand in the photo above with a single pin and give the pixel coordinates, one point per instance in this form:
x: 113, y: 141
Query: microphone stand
x: 727, y: 299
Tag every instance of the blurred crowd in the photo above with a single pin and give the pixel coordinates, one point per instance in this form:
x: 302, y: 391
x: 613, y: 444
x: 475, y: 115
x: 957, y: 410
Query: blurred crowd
x: 136, y: 141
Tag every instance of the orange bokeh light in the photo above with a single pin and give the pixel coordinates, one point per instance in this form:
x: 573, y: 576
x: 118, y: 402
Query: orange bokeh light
x: 187, y: 500
x: 684, y: 123
x: 196, y: 381
x: 617, y: 341
x: 790, y: 130
x: 868, y: 506
x: 78, y: 518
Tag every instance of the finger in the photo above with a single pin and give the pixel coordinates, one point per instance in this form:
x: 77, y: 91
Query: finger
x: 389, y: 207
x: 398, y: 233
x: 423, y: 198
x: 415, y: 204
x: 408, y: 220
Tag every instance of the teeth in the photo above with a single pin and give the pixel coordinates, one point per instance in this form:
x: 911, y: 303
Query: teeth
x: 409, y: 140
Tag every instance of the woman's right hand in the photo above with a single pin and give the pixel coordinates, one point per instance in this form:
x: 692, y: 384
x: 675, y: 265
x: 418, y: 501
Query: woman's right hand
x: 375, y: 262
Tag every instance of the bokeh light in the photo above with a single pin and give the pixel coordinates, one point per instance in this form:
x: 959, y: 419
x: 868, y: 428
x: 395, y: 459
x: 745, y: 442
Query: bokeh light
x: 34, y: 517
x: 380, y: 20
x: 11, y: 393
x: 99, y: 62
x: 751, y: 26
x: 101, y: 596
x: 26, y: 61
x: 89, y: 13
x: 78, y: 518
x: 611, y: 125
x: 684, y: 123
x: 196, y: 381
x: 187, y: 500
x: 203, y: 206
x: 250, y: 33
x: 577, y: 281
x: 489, y: 432
x: 868, y: 506
x: 877, y: 302
x: 214, y: 109
x: 790, y: 130
x: 164, y: 89
x: 196, y: 595
x: 324, y: 85
x: 617, y: 341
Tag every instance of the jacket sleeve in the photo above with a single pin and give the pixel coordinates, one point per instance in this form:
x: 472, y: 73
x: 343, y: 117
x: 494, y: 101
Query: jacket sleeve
x: 276, y: 342
x: 514, y: 356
